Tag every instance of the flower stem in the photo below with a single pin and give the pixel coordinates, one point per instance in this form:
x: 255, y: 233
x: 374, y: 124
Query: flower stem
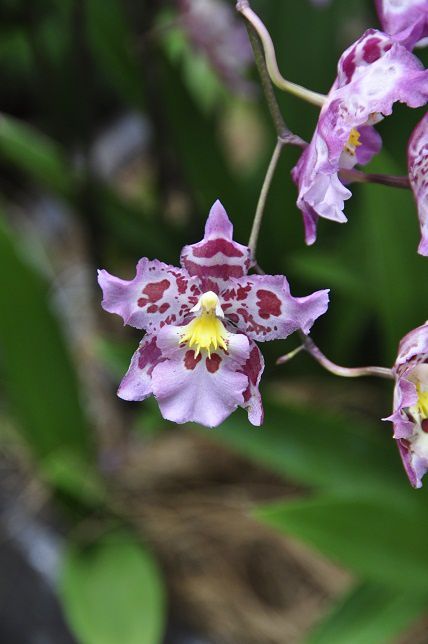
x: 384, y: 179
x: 243, y: 6
x: 345, y: 372
x: 255, y: 230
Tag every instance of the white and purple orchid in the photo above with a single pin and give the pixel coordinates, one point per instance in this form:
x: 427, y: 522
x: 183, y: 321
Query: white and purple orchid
x: 410, y: 416
x: 406, y: 20
x: 373, y: 74
x: 417, y: 157
x: 199, y: 357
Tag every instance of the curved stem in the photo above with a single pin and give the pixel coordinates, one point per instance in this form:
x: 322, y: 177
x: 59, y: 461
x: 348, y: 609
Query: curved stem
x: 243, y: 6
x: 384, y: 179
x: 345, y: 372
x: 255, y: 230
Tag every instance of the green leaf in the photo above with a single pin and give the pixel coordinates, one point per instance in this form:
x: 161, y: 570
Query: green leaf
x: 370, y: 614
x: 113, y: 46
x: 39, y: 376
x: 375, y: 539
x: 319, y: 448
x: 112, y: 592
x: 35, y: 154
x: 69, y: 473
x: 388, y: 217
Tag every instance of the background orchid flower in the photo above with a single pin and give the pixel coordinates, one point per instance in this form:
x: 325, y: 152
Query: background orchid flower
x: 406, y: 20
x: 373, y: 74
x: 199, y: 357
x: 417, y: 155
x: 410, y: 416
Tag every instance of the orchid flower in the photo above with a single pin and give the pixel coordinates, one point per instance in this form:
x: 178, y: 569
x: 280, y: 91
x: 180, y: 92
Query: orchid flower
x: 406, y: 20
x: 373, y: 74
x: 199, y: 357
x: 417, y: 155
x: 410, y: 416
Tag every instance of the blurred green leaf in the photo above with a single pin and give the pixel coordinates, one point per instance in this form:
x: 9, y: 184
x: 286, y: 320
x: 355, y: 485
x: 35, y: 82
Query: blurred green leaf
x: 114, y: 48
x: 397, y: 275
x: 76, y: 477
x: 372, y: 538
x: 35, y: 154
x: 112, y: 592
x: 370, y: 614
x: 322, y: 449
x: 36, y: 366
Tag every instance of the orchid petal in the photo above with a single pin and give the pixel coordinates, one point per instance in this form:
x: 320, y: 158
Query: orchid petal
x: 159, y: 294
x: 216, y: 258
x: 198, y: 388
x: 137, y: 383
x: 262, y: 307
x: 418, y: 175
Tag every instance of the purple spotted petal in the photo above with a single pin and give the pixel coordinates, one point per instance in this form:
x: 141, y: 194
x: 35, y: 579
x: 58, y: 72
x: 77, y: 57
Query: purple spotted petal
x: 410, y: 426
x: 406, y: 20
x: 417, y: 155
x: 373, y: 74
x: 216, y: 258
x: 253, y: 369
x: 159, y: 294
x: 413, y: 349
x: 137, y: 383
x: 204, y: 389
x: 262, y: 307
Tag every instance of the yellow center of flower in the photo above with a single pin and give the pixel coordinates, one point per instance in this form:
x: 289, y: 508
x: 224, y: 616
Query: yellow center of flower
x: 422, y: 401
x: 206, y: 331
x: 354, y: 138
x: 353, y: 142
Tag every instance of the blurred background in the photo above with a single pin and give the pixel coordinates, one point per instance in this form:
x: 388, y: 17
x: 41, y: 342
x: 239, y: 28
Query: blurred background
x: 121, y: 122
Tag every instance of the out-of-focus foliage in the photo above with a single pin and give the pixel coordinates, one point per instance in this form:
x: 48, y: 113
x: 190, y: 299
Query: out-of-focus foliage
x: 70, y: 69
x: 113, y: 592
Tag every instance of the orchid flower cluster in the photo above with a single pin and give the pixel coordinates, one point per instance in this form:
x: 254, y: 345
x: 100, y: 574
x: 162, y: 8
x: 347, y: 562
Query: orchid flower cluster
x: 199, y: 356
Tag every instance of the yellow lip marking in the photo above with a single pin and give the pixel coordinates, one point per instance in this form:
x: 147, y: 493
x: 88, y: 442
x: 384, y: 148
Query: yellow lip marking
x: 422, y: 403
x: 353, y: 141
x: 206, y: 331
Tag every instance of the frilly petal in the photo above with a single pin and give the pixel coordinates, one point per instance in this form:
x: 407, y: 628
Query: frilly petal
x: 199, y: 389
x: 262, y: 307
x: 159, y: 294
x: 417, y: 156
x: 137, y: 382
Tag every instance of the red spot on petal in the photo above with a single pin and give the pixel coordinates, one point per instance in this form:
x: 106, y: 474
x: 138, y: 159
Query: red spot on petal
x: 424, y: 425
x: 371, y: 50
x: 190, y: 361
x: 213, y: 363
x: 233, y: 317
x: 148, y: 355
x: 222, y: 271
x: 155, y: 290
x: 152, y: 308
x: 213, y: 246
x: 242, y: 292
x: 268, y: 304
x: 164, y: 307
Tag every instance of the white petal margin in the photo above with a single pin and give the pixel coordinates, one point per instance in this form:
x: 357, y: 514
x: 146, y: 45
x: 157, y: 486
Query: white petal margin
x: 194, y: 393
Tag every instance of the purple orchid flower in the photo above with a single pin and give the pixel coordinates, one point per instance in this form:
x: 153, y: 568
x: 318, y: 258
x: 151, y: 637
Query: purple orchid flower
x: 214, y: 29
x: 417, y: 156
x: 199, y: 357
x: 406, y: 20
x: 410, y: 416
x: 373, y: 74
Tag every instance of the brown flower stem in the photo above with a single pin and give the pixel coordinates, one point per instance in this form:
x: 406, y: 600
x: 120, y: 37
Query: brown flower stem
x: 243, y: 6
x: 357, y: 176
x: 345, y: 372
